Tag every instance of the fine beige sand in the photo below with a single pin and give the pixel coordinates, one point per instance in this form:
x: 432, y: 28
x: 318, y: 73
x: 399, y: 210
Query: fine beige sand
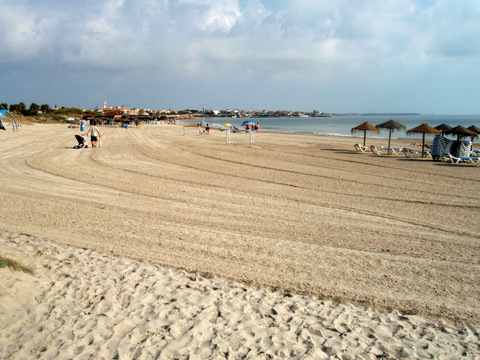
x: 160, y: 245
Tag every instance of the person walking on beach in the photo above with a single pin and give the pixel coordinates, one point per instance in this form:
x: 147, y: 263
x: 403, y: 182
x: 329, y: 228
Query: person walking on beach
x: 82, y: 125
x: 95, y: 133
x: 256, y: 127
x: 207, y: 128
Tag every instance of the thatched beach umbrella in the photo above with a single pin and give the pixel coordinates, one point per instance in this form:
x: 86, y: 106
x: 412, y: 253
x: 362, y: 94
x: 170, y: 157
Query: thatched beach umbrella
x: 461, y: 131
x: 392, y: 126
x: 423, y: 129
x: 443, y: 128
x: 365, y: 127
x: 475, y: 129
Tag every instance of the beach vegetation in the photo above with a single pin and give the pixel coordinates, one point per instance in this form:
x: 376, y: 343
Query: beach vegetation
x: 14, y: 265
x: 41, y: 113
x: 17, y: 108
x: 69, y: 111
x: 45, y: 108
x: 91, y: 112
x: 34, y: 108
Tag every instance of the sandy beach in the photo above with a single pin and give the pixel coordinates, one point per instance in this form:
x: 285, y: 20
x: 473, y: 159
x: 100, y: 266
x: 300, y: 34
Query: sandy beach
x: 163, y: 245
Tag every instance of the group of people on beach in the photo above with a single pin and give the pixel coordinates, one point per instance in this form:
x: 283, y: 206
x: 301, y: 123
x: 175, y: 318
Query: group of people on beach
x: 95, y: 134
x: 255, y: 127
x: 248, y: 127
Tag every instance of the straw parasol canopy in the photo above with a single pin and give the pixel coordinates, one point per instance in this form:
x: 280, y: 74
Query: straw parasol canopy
x: 443, y: 128
x: 392, y: 126
x: 461, y: 131
x: 423, y: 129
x: 365, y: 127
x: 474, y: 128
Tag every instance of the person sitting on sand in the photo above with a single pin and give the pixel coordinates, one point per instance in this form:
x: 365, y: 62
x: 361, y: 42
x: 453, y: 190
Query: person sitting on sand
x: 95, y: 133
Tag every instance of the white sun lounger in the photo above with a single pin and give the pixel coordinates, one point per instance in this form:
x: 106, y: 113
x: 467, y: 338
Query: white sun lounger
x: 413, y: 153
x: 360, y: 148
x: 380, y: 150
x: 456, y: 160
x: 376, y: 150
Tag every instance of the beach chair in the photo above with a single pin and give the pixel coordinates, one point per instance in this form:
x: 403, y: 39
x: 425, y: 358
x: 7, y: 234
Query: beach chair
x: 472, y: 159
x: 394, y: 151
x: 444, y: 145
x: 381, y: 150
x: 413, y: 153
x: 410, y: 153
x: 360, y: 148
x: 376, y: 150
x: 455, y: 160
x: 435, y: 147
x: 440, y: 147
x: 464, y: 149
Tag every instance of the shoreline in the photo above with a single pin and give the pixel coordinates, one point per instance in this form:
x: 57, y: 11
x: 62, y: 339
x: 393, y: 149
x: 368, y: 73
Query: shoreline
x: 342, y: 125
x: 299, y: 214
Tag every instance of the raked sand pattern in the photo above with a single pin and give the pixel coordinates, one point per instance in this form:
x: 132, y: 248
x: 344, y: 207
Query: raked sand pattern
x: 299, y: 215
x: 82, y: 304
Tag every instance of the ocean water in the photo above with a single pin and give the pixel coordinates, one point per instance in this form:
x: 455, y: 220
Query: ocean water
x: 342, y: 125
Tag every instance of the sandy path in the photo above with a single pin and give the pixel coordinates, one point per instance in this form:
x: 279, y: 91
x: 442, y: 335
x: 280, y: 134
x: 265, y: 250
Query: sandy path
x: 299, y: 214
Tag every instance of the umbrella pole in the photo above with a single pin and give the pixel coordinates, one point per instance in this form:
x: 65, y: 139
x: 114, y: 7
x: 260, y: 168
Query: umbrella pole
x: 389, y: 137
x: 364, y: 137
x: 423, y: 145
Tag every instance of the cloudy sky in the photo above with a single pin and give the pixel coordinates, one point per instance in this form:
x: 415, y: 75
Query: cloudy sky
x: 329, y: 55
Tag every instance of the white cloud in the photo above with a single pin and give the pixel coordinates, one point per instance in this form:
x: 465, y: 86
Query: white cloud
x: 214, y: 15
x: 24, y: 34
x: 278, y: 42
